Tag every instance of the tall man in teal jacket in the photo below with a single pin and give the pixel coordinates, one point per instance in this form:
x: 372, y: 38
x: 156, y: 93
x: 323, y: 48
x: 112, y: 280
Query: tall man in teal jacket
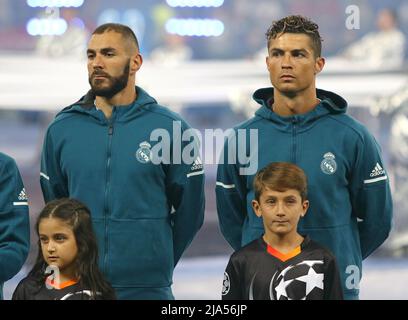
x: 120, y: 152
x: 350, y: 201
x: 14, y: 221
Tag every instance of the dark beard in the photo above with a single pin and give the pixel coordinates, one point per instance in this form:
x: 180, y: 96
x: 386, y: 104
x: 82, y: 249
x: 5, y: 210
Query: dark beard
x: 117, y: 84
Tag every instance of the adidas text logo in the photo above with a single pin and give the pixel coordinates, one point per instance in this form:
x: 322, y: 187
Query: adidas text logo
x: 197, y: 165
x: 22, y: 195
x: 377, y: 171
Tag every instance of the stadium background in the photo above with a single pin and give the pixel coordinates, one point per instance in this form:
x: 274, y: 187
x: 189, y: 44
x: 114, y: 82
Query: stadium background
x: 207, y: 74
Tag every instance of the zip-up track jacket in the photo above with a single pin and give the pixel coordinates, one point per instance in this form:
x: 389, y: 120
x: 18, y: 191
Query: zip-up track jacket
x: 350, y: 200
x: 14, y: 221
x: 144, y: 214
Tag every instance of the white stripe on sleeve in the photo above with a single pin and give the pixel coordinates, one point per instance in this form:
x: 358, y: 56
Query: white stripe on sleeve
x: 44, y: 176
x: 375, y: 180
x: 195, y: 173
x: 20, y: 203
x: 225, y: 186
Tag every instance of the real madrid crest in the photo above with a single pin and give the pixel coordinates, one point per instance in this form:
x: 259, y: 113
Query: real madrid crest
x: 143, y: 154
x: 328, y: 164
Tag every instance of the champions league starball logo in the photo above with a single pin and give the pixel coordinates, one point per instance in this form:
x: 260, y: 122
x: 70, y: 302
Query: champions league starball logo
x: 226, y: 284
x: 297, y: 282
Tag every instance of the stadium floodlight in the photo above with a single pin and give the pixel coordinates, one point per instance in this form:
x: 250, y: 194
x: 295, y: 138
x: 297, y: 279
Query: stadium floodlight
x: 55, y: 3
x: 195, y: 3
x: 41, y: 27
x: 195, y: 27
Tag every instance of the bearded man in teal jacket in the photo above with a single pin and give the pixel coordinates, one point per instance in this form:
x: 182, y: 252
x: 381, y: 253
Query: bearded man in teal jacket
x: 126, y: 157
x: 350, y: 200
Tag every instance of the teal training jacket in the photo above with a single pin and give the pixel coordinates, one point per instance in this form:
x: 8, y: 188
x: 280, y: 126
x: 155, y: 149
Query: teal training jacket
x: 350, y: 200
x: 145, y: 213
x: 14, y: 221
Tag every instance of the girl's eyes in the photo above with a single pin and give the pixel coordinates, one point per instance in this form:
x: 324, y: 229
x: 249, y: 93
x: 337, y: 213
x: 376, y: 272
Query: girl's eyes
x: 60, y: 238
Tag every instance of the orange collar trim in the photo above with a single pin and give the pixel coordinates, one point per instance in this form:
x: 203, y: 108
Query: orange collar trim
x: 62, y: 285
x: 283, y: 256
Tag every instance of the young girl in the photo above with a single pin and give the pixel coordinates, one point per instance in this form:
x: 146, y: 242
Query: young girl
x: 67, y: 262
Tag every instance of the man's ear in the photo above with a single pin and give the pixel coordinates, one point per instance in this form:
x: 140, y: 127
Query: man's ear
x: 257, y: 208
x: 319, y: 64
x: 267, y: 62
x: 136, y: 63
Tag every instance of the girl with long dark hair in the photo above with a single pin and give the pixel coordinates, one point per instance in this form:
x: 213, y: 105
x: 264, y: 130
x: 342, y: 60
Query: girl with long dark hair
x: 67, y: 261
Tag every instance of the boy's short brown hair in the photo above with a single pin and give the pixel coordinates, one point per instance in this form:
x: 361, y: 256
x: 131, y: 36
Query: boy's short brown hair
x: 280, y: 176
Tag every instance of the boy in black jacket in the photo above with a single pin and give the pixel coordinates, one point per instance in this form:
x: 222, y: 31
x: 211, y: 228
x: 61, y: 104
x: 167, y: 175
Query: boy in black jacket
x: 282, y: 264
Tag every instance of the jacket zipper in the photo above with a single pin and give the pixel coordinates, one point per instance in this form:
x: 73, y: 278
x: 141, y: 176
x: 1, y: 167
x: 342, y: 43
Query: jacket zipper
x: 107, y: 189
x: 294, y: 122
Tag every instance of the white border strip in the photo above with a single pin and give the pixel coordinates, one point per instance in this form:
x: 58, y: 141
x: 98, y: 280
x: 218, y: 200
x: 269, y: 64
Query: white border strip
x: 20, y: 203
x: 195, y: 173
x: 225, y: 186
x: 44, y: 176
x: 375, y: 180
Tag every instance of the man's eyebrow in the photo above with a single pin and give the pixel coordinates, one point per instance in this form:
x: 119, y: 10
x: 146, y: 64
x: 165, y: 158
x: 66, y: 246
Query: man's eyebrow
x: 108, y: 49
x: 293, y: 50
x: 103, y: 50
x: 299, y: 50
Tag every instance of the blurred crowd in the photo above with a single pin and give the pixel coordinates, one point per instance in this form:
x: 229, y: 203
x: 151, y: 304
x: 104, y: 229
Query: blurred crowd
x: 245, y: 25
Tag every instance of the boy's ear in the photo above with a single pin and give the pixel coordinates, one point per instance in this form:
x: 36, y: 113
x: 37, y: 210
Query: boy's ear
x: 256, y: 207
x: 305, y: 206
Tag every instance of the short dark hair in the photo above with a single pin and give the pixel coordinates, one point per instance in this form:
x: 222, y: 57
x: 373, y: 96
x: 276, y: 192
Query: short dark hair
x: 125, y: 31
x: 296, y: 24
x: 280, y: 176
